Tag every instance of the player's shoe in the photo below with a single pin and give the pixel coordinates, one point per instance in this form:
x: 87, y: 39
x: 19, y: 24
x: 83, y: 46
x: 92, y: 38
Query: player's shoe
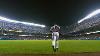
x: 54, y: 49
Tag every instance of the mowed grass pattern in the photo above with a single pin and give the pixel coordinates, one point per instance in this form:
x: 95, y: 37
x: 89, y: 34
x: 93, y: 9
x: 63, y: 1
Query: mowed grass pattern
x: 44, y: 46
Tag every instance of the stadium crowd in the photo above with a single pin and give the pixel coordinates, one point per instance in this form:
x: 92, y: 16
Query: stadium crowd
x: 89, y: 23
x: 20, y: 31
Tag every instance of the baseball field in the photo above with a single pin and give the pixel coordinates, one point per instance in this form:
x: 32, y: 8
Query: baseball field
x: 43, y: 47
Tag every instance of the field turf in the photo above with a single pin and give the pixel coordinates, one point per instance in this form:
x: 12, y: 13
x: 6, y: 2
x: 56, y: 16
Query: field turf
x: 44, y: 46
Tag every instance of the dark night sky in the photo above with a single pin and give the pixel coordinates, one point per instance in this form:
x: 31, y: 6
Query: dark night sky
x: 48, y: 12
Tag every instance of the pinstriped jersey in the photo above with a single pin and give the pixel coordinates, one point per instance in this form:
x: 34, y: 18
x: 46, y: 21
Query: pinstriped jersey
x: 55, y: 28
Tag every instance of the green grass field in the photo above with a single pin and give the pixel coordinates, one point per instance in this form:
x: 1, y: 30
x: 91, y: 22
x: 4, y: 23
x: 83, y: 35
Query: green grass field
x: 44, y: 46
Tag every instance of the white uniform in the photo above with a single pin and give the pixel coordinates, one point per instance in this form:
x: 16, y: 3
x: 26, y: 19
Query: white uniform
x: 55, y: 36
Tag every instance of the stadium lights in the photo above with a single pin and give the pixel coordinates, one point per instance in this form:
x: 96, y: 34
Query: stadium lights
x: 25, y: 35
x: 32, y: 24
x: 9, y: 20
x: 97, y: 31
x: 88, y: 33
x: 14, y: 21
x: 19, y: 31
x: 90, y: 15
x: 4, y: 34
x: 10, y: 30
x: 92, y: 32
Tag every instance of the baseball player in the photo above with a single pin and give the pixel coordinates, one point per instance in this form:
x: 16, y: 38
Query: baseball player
x: 55, y: 35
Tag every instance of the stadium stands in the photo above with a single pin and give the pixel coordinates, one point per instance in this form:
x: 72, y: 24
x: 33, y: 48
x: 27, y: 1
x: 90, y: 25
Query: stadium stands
x: 77, y: 31
x: 89, y: 26
x: 11, y: 30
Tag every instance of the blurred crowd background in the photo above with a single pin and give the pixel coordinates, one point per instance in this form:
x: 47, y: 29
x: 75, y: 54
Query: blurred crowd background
x: 86, y: 30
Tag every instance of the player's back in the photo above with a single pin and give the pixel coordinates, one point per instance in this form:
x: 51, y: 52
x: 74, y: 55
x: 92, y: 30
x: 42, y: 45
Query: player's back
x: 55, y: 28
